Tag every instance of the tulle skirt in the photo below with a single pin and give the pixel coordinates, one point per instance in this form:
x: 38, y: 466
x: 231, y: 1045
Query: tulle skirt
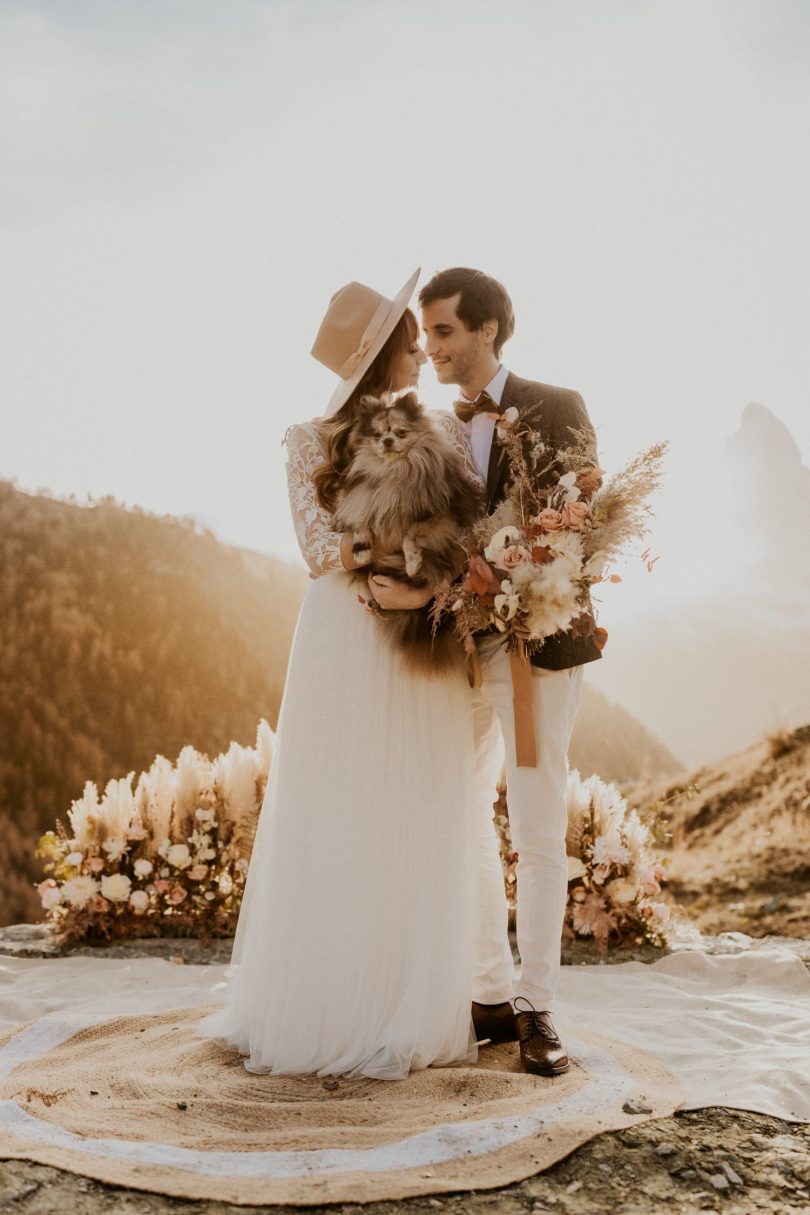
x: 352, y: 953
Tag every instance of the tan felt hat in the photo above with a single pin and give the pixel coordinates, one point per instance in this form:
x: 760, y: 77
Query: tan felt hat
x: 357, y: 324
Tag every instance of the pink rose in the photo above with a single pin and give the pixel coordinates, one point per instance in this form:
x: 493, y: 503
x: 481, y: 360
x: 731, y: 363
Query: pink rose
x: 514, y: 555
x: 96, y: 864
x: 161, y: 885
x: 177, y: 895
x: 48, y: 884
x: 550, y: 520
x: 98, y: 903
x: 590, y: 479
x: 198, y: 872
x: 574, y: 515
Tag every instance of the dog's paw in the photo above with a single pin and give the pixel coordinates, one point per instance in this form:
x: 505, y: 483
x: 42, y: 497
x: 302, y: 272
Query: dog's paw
x: 413, y: 558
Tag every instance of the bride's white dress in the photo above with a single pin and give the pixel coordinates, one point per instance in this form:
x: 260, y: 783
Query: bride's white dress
x: 352, y: 953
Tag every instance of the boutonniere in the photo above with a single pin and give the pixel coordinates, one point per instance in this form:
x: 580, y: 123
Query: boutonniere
x: 506, y: 422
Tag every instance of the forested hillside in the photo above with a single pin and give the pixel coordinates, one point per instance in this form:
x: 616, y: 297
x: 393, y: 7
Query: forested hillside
x: 122, y: 635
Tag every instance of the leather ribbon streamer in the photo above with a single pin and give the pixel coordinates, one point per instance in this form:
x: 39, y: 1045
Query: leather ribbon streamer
x: 525, y: 738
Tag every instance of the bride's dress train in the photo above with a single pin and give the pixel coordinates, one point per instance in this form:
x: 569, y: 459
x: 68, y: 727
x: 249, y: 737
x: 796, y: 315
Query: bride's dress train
x: 352, y: 952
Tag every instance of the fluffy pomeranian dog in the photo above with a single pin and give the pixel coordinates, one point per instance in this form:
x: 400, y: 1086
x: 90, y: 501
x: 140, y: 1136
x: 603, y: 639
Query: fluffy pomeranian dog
x: 407, y: 495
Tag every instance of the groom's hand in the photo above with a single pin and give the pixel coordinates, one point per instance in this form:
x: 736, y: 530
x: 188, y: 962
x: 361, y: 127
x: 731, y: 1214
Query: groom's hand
x: 393, y: 595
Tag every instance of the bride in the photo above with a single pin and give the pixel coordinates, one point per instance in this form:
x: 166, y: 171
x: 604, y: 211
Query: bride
x: 352, y: 953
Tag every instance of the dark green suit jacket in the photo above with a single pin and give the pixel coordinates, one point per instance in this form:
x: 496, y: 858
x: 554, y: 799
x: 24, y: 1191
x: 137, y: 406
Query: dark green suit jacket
x: 556, y: 412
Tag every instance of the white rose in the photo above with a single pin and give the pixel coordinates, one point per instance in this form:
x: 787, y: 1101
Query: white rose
x: 179, y: 856
x: 51, y: 897
x: 79, y: 890
x: 165, y: 845
x: 143, y: 867
x: 501, y: 540
x: 225, y: 884
x: 204, y: 816
x: 139, y: 900
x: 116, y: 887
x: 74, y: 858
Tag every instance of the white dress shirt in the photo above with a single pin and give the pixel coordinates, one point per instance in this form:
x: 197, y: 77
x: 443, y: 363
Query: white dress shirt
x: 480, y: 428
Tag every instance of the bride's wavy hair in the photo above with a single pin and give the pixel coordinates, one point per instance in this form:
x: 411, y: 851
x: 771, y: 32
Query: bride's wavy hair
x: 336, y: 430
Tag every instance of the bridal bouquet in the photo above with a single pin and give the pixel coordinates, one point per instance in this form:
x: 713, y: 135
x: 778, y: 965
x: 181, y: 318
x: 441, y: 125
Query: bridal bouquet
x: 167, y: 858
x: 534, y: 559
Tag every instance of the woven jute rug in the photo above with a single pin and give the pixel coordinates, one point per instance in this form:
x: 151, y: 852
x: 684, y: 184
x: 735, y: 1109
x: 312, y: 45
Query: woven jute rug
x: 139, y: 1101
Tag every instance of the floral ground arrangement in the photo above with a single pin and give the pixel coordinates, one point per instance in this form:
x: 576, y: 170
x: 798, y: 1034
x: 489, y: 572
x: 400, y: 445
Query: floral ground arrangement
x: 614, y: 869
x: 168, y: 856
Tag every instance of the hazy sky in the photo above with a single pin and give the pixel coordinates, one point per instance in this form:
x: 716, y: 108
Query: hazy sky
x: 184, y: 184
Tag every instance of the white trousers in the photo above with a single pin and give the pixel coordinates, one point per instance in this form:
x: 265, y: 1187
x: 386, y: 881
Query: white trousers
x: 538, y: 820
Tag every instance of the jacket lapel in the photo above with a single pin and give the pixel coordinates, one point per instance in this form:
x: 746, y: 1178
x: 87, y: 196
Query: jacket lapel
x: 498, y: 467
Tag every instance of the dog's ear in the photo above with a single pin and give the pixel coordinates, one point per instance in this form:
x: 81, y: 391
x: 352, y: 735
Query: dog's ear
x: 409, y: 404
x: 368, y: 404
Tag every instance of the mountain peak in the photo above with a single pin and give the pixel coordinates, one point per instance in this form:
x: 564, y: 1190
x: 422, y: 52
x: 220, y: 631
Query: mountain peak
x: 765, y: 437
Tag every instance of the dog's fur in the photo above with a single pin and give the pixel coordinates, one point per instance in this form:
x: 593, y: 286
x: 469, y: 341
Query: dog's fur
x: 407, y: 494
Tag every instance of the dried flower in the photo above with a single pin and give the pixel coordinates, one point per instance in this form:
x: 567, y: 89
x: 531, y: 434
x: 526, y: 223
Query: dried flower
x: 116, y: 887
x: 179, y: 856
x: 78, y: 891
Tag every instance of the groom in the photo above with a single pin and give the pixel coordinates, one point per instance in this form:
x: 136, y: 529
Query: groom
x: 467, y: 318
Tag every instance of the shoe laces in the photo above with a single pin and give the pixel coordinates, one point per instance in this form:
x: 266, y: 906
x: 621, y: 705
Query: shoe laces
x: 533, y: 1026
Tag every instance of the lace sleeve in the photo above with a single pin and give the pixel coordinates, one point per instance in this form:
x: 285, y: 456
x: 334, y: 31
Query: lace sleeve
x: 317, y: 538
x: 450, y: 423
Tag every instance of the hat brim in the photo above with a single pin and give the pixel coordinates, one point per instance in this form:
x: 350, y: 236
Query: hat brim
x: 398, y: 305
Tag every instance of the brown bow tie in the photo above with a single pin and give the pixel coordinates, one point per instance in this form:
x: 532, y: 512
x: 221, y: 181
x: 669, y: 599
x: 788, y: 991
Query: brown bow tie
x: 483, y: 403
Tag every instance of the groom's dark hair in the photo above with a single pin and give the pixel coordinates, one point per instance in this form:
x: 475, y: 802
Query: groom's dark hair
x: 482, y: 299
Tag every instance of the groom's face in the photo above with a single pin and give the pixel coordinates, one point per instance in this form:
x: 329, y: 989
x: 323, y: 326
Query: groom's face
x: 455, y: 351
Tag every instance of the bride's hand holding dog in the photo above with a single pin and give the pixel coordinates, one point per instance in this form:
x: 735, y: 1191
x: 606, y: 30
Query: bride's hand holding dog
x: 393, y: 595
x: 390, y: 593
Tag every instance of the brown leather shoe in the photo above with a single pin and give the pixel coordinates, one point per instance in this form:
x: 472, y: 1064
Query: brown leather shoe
x: 494, y: 1022
x: 541, y: 1051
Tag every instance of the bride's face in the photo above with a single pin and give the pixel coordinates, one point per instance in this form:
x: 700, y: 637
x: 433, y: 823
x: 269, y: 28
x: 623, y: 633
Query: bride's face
x: 406, y: 374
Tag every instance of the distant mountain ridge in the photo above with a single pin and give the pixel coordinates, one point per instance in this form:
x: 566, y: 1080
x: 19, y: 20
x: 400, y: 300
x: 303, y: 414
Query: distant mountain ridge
x: 124, y: 635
